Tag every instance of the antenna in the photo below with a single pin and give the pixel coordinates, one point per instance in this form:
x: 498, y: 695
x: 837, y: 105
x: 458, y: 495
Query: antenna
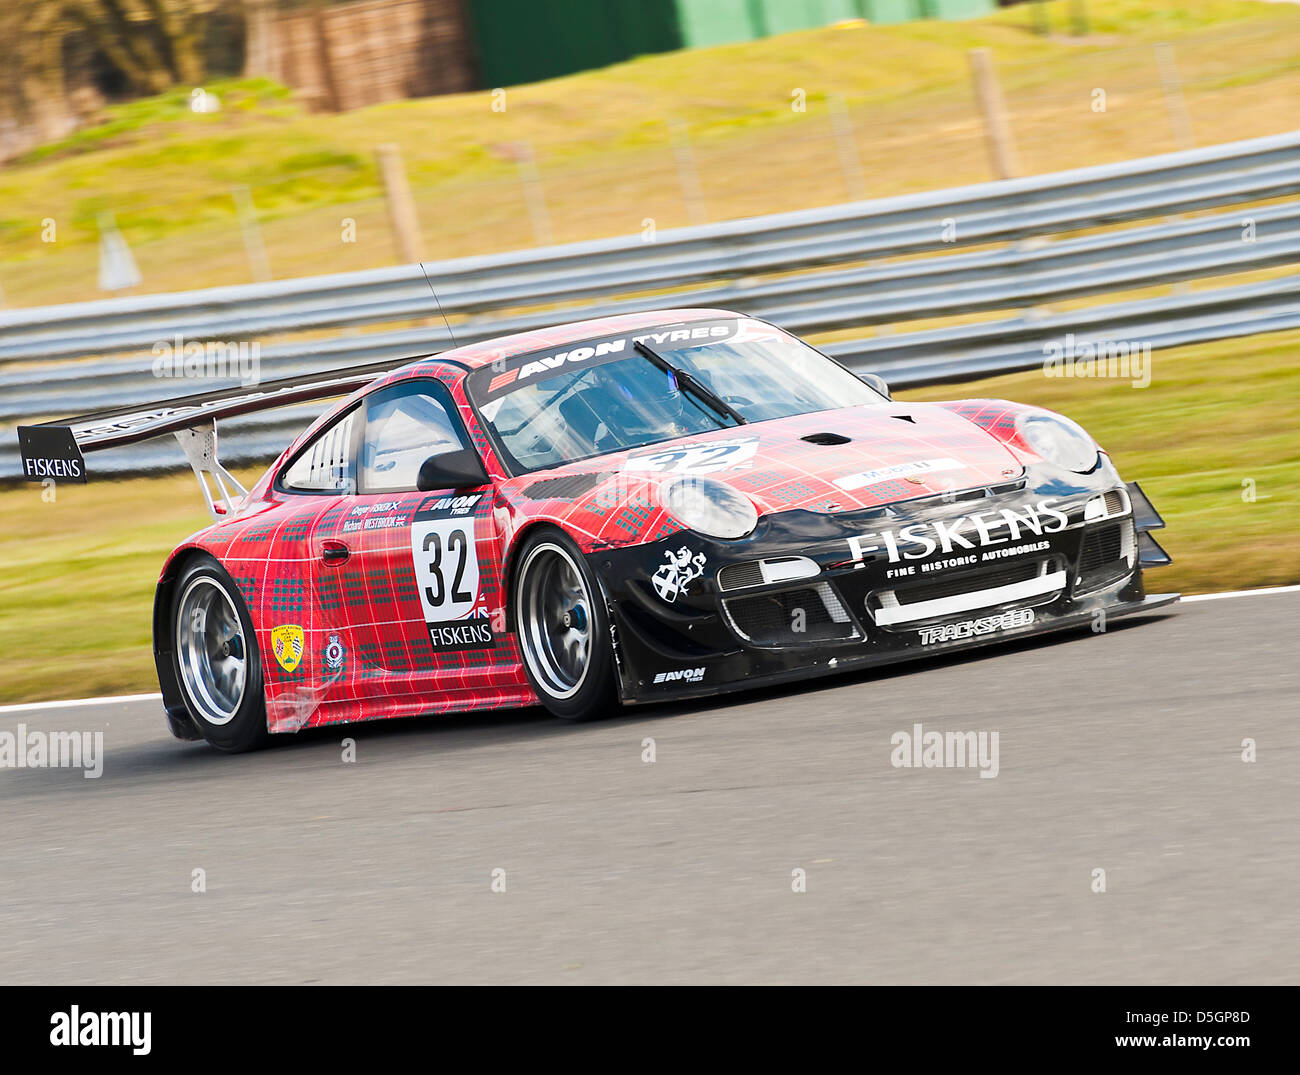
x: 434, y: 292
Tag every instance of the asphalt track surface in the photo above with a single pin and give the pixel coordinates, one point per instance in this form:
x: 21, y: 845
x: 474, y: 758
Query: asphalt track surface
x: 1119, y: 751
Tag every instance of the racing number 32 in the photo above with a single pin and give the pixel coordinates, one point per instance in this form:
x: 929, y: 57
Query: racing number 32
x: 456, y: 544
x: 446, y: 568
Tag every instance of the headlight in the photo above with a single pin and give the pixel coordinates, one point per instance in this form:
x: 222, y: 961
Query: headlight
x: 1058, y: 440
x: 709, y: 507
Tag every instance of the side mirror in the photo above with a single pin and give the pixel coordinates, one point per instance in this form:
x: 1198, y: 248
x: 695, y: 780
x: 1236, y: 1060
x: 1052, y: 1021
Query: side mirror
x: 878, y: 383
x: 462, y: 469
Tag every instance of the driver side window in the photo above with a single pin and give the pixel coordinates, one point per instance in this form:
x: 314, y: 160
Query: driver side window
x: 405, y: 424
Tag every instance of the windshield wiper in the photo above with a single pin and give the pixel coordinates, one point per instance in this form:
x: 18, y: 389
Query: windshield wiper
x: 711, y: 398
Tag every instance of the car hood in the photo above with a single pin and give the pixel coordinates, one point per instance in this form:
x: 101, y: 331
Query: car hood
x: 829, y: 461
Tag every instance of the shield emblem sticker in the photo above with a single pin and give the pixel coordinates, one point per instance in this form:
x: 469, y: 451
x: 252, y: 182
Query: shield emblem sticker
x: 286, y: 644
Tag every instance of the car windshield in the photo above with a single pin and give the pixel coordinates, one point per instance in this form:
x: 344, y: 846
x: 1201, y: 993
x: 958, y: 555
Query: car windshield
x: 617, y: 393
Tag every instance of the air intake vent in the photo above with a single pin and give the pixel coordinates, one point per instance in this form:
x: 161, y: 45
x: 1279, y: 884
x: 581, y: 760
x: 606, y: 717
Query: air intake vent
x: 826, y: 438
x: 803, y: 616
x: 569, y: 487
x: 1106, y: 555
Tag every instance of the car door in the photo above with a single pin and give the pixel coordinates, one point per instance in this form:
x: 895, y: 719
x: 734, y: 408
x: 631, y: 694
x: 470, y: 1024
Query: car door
x: 411, y: 580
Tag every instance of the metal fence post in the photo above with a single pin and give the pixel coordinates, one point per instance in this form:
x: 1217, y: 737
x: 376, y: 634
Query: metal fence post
x: 842, y: 127
x: 687, y: 174
x: 533, y: 194
x: 401, y: 206
x: 258, y: 263
x: 1175, y: 102
x: 997, y: 130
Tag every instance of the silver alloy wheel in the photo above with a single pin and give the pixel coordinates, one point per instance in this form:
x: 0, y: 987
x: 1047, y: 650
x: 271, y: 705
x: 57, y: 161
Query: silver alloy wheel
x: 554, y: 613
x: 211, y: 650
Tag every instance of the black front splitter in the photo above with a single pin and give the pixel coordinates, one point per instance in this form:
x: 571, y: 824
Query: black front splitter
x: 842, y: 663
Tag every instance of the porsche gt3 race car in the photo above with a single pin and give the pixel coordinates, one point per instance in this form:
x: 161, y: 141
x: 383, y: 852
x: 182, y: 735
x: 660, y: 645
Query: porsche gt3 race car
x: 652, y: 506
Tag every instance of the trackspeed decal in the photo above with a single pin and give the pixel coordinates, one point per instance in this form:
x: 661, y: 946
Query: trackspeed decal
x: 899, y: 470
x: 978, y: 530
x: 672, y: 578
x: 446, y: 558
x: 949, y: 632
x: 698, y: 458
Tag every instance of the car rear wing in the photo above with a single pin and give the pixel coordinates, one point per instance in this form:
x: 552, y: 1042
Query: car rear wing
x: 57, y: 449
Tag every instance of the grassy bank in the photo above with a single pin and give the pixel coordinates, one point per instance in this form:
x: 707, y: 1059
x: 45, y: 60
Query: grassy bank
x: 604, y: 145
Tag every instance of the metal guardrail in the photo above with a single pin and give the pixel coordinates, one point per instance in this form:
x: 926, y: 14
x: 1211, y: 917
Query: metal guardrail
x: 723, y: 260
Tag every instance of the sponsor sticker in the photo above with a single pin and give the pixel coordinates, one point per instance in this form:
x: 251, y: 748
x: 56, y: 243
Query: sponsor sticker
x: 50, y: 452
x: 913, y: 472
x: 541, y: 364
x: 334, y: 653
x: 286, y: 644
x: 968, y: 536
x: 951, y: 632
x: 680, y: 675
x: 672, y: 578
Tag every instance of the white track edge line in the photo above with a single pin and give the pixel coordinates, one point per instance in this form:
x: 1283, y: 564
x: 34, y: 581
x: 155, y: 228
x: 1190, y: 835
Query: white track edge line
x: 33, y: 706
x: 1242, y: 593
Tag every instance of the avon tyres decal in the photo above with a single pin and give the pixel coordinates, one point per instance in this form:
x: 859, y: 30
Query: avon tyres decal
x: 538, y: 365
x: 446, y: 558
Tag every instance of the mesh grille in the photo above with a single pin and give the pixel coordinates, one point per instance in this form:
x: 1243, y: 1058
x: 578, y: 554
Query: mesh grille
x: 1101, y: 545
x: 734, y: 576
x: 1114, y: 502
x: 1104, y: 556
x: 771, y: 619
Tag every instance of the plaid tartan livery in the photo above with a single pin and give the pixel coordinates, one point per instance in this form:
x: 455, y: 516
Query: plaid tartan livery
x: 370, y: 603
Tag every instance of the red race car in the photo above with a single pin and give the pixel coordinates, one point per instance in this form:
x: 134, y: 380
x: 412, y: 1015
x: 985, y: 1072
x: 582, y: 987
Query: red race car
x: 653, y: 506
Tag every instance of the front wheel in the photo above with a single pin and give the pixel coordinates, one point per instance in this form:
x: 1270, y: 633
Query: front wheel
x: 216, y: 659
x: 563, y: 628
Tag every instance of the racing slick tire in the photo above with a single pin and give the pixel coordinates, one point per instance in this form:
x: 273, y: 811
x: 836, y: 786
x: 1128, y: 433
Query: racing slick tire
x: 215, y: 658
x: 562, y: 625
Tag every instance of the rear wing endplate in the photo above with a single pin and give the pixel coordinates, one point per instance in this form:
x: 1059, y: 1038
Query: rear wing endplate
x: 58, y: 449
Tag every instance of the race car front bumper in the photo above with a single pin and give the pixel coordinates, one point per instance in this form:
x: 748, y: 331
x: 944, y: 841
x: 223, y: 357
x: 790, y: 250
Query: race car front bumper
x: 810, y: 593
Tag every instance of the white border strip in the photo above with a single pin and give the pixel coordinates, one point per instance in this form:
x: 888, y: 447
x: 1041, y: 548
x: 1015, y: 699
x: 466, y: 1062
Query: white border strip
x: 968, y: 602
x: 30, y: 706
x: 1241, y: 593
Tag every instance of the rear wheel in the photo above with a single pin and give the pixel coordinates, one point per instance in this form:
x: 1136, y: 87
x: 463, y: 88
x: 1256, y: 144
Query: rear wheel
x: 563, y: 628
x: 217, y: 663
